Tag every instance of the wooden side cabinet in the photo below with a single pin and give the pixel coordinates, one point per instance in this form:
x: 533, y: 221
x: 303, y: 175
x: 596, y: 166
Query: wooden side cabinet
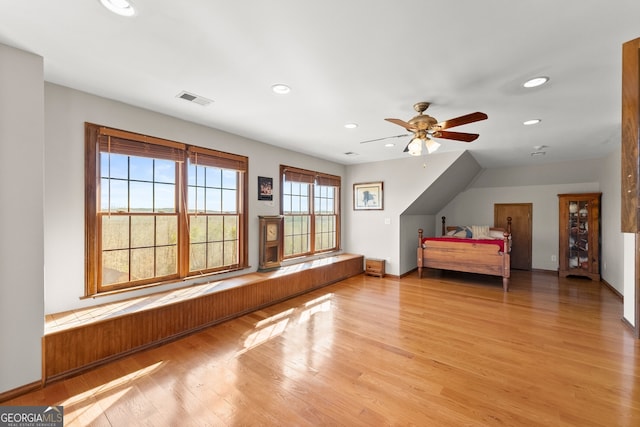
x: 579, y: 233
x: 374, y: 267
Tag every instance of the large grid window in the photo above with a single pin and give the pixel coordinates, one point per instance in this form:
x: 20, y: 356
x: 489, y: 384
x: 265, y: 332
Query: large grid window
x: 213, y: 217
x: 311, y: 211
x: 159, y: 211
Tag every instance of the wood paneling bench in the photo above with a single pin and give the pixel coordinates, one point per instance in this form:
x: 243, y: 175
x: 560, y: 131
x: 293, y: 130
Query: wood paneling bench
x: 81, y: 339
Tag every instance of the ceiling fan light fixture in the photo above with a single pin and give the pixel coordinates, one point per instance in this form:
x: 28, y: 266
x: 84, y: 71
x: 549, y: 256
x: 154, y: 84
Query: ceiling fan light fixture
x: 415, y: 146
x: 535, y: 82
x: 432, y: 146
x: 119, y: 7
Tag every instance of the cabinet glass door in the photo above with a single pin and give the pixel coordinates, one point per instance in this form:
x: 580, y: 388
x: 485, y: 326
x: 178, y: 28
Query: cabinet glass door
x: 578, y: 234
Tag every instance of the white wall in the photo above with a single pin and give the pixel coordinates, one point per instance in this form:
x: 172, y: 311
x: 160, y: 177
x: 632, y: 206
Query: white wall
x: 376, y: 233
x: 629, y: 261
x: 409, y: 226
x: 21, y: 212
x: 612, y: 254
x: 66, y: 110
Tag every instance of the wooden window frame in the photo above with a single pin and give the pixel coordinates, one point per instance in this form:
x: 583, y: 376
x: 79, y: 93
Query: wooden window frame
x: 314, y: 179
x: 134, y: 144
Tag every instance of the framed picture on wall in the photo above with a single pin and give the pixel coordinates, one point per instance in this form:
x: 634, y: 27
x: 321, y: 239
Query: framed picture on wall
x: 367, y: 196
x: 265, y: 188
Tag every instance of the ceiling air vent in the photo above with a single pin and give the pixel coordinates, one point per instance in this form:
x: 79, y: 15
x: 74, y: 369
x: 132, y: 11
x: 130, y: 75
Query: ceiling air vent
x: 200, y: 100
x: 350, y: 153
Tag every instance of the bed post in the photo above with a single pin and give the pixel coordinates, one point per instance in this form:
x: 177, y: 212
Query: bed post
x: 444, y: 228
x: 420, y: 253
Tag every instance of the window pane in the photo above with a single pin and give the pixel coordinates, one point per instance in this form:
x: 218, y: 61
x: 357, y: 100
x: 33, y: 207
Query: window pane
x: 191, y: 174
x: 214, y: 177
x: 140, y: 168
x: 142, y: 231
x: 165, y: 171
x: 115, y: 193
x: 166, y: 260
x: 229, y: 179
x: 166, y: 230
x: 198, y: 229
x: 214, y: 255
x: 196, y: 204
x: 141, y: 196
x: 197, y: 257
x: 115, y: 232
x: 214, y: 202
x: 229, y: 200
x: 286, y: 204
x: 114, y: 165
x: 215, y: 228
x: 142, y: 263
x: 230, y: 252
x: 115, y: 267
x: 191, y: 199
x: 230, y: 227
x: 165, y: 197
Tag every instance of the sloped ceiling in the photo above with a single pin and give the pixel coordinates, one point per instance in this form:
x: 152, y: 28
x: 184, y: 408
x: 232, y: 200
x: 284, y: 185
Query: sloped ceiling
x: 453, y: 181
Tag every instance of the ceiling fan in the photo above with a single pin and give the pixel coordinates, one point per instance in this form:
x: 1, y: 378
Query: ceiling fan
x: 425, y: 127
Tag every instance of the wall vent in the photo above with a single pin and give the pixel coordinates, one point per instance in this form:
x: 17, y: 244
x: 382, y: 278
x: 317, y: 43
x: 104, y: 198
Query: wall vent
x: 191, y: 97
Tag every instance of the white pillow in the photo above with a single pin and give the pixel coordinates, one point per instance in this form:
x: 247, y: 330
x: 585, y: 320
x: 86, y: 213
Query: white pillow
x: 480, y: 231
x: 496, y: 234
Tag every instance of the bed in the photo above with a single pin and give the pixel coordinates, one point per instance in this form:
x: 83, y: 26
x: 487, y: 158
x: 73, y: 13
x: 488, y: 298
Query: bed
x: 488, y: 253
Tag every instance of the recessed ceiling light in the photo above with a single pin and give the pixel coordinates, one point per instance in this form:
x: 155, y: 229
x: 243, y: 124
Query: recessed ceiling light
x: 351, y: 125
x: 120, y: 7
x: 531, y: 122
x: 535, y: 82
x: 281, y: 89
x: 389, y: 144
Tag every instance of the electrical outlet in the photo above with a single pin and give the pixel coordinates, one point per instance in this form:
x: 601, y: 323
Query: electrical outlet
x: 553, y: 258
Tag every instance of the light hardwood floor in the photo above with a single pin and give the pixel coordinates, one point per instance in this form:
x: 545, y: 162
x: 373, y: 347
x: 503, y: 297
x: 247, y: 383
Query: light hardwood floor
x: 446, y: 350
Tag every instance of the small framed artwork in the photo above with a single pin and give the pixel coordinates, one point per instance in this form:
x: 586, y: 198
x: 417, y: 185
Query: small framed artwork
x: 265, y: 188
x: 367, y: 196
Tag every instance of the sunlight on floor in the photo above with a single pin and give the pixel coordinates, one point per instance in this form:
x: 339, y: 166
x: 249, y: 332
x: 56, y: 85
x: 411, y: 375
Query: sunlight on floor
x: 275, y: 325
x: 81, y: 405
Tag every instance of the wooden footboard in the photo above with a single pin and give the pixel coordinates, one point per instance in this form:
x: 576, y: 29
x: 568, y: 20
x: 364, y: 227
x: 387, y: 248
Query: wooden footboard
x: 467, y: 256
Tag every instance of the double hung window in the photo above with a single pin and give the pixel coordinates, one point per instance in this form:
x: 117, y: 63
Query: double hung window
x: 310, y: 206
x: 159, y: 211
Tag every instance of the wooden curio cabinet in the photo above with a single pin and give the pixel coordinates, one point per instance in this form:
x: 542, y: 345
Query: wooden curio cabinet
x: 579, y: 253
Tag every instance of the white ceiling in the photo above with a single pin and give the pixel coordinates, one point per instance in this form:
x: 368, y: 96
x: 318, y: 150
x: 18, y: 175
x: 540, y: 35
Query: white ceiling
x: 351, y: 61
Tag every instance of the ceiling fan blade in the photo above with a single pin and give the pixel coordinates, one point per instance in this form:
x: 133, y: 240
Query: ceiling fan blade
x: 402, y: 123
x: 462, y: 120
x: 458, y: 136
x: 386, y: 137
x: 406, y: 149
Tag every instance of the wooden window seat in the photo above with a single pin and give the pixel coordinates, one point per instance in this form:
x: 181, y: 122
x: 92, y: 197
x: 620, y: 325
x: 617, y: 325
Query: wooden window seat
x: 80, y: 339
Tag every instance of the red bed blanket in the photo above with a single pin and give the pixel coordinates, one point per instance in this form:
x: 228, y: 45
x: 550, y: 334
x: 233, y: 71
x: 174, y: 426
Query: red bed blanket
x: 497, y: 242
